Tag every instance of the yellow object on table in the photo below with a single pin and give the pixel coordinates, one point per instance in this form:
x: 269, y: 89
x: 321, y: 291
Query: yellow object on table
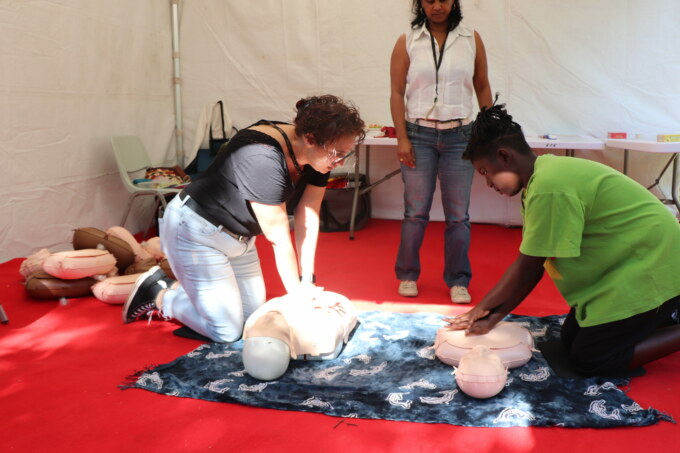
x: 668, y: 138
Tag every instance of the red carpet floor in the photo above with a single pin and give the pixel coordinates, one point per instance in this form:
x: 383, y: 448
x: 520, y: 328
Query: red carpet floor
x: 60, y: 365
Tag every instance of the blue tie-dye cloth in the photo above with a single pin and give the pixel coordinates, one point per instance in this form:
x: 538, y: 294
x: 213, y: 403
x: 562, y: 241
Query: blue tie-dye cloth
x: 388, y: 370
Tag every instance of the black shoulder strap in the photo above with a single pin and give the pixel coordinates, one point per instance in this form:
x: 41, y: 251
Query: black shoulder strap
x: 285, y: 137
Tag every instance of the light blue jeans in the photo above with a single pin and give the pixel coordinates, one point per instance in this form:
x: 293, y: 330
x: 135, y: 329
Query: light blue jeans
x: 438, y: 156
x: 220, y: 278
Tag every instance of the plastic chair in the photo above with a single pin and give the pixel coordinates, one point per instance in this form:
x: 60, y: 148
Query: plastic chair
x: 131, y: 157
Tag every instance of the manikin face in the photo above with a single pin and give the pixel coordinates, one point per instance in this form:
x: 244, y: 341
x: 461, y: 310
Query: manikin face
x: 326, y: 157
x: 499, y: 174
x: 437, y: 11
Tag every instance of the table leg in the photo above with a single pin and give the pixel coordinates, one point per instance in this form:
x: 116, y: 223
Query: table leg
x: 675, y: 184
x: 372, y: 185
x: 625, y: 161
x: 357, y: 183
x: 367, y: 164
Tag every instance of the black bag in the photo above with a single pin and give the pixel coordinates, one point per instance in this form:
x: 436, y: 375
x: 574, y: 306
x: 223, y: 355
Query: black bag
x: 205, y: 156
x: 336, y: 207
x: 216, y: 143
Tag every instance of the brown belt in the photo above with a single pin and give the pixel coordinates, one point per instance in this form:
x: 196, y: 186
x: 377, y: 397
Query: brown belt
x: 194, y: 206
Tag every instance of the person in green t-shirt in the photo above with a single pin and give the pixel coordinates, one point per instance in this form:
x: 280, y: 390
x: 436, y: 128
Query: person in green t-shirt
x: 611, y: 247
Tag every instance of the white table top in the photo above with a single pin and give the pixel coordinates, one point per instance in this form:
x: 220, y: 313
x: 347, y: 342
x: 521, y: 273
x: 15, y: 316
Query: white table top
x: 644, y: 145
x: 371, y: 138
x: 561, y: 141
x: 565, y: 142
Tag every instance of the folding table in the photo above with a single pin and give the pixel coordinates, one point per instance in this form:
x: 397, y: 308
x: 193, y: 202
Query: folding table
x: 569, y: 143
x: 646, y: 146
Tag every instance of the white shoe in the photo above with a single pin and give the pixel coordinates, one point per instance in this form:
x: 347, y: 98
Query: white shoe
x: 408, y: 288
x: 460, y: 295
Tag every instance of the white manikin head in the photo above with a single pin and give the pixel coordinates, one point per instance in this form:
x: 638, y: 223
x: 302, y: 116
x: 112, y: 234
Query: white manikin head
x: 481, y: 373
x: 265, y: 358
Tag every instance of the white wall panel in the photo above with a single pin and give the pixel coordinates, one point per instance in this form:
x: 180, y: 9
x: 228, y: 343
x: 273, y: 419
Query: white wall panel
x: 76, y: 72
x: 73, y: 74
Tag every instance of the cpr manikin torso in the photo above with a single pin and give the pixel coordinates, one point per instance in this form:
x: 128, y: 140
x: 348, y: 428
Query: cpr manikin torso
x: 284, y: 328
x: 482, y: 361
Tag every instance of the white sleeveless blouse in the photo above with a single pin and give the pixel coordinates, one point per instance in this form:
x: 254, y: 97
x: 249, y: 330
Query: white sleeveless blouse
x: 455, y: 75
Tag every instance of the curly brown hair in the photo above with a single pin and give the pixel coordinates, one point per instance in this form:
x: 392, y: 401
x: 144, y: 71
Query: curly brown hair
x: 325, y: 119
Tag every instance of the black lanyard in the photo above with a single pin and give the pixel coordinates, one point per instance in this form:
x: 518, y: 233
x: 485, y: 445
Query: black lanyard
x: 437, y: 63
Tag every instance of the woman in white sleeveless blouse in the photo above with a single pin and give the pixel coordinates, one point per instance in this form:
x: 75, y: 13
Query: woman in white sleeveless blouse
x: 435, y: 69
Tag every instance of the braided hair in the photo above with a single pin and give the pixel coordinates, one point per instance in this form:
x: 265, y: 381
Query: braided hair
x: 492, y: 129
x: 419, y: 17
x: 327, y: 118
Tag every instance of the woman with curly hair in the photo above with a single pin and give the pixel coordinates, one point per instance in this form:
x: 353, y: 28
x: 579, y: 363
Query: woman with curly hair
x: 265, y: 172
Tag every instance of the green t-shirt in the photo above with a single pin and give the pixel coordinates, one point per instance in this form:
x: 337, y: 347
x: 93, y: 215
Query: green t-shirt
x: 613, y: 248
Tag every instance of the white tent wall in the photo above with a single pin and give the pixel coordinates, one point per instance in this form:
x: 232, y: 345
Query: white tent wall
x: 77, y: 72
x: 578, y: 67
x: 74, y: 74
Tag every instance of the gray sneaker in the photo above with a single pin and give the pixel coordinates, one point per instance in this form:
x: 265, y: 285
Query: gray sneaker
x: 408, y: 288
x: 460, y: 295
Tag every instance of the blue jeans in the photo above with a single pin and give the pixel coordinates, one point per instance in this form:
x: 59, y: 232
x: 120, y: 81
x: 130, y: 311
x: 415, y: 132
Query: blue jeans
x: 438, y: 155
x: 220, y: 278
